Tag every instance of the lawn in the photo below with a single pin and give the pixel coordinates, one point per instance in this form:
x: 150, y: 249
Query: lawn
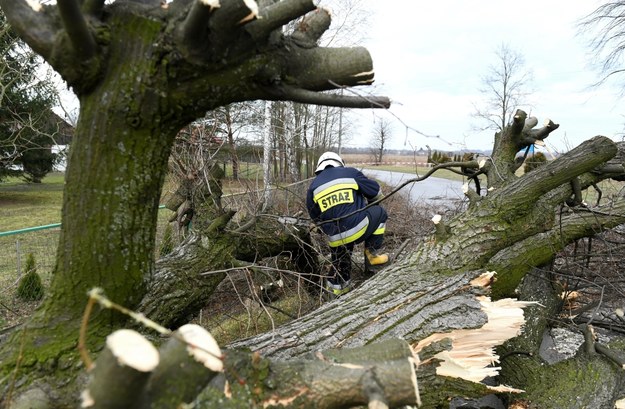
x: 30, y: 204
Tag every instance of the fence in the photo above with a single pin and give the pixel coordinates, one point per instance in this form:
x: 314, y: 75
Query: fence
x: 41, y: 242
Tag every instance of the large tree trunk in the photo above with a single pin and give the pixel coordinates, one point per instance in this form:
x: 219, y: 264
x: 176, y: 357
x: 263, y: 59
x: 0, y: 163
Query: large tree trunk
x: 185, y: 279
x: 428, y: 294
x: 142, y: 70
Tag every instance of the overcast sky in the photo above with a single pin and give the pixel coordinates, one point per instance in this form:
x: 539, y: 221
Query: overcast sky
x: 430, y: 58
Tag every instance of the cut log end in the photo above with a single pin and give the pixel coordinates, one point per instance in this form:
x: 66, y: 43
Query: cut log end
x: 35, y: 5
x: 133, y: 350
x: 213, y: 4
x: 253, y: 6
x: 202, y: 346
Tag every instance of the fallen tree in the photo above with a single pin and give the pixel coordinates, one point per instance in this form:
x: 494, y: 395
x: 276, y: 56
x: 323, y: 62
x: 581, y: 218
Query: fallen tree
x: 437, y: 300
x: 426, y: 297
x: 142, y: 70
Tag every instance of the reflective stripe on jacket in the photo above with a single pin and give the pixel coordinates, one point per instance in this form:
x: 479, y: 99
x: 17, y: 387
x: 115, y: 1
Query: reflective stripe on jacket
x: 336, y: 193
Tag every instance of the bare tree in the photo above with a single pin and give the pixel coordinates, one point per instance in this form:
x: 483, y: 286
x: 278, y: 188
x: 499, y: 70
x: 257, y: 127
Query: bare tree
x: 233, y: 122
x: 606, y: 26
x: 28, y: 127
x: 381, y: 135
x: 505, y: 88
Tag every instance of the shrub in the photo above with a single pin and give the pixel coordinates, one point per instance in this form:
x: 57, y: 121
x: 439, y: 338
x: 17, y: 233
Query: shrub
x: 30, y: 287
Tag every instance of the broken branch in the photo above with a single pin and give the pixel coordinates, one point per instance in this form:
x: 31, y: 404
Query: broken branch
x: 77, y: 29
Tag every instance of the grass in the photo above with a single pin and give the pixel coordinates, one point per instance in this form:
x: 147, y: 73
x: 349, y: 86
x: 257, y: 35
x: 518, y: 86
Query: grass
x: 24, y: 205
x: 243, y: 321
x: 30, y: 204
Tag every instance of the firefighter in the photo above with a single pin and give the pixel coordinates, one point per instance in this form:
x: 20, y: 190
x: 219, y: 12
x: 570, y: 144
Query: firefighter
x: 336, y: 201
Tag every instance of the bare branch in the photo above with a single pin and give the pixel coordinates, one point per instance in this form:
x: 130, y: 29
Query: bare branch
x: 321, y: 69
x: 34, y: 26
x: 311, y: 28
x: 195, y: 26
x: 542, y: 133
x: 512, y: 261
x: 286, y: 93
x: 77, y: 29
x: 582, y: 159
x: 277, y: 15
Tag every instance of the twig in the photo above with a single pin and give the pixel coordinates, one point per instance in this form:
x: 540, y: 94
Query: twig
x: 608, y: 353
x: 82, y: 335
x: 20, y: 356
x: 401, y: 247
x: 273, y: 307
x: 97, y: 295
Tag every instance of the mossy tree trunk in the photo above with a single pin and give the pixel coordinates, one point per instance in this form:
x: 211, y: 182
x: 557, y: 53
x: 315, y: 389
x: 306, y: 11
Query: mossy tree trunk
x: 185, y: 279
x: 516, y: 227
x: 142, y: 70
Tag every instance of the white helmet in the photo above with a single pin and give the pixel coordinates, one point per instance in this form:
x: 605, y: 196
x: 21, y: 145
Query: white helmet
x: 329, y: 159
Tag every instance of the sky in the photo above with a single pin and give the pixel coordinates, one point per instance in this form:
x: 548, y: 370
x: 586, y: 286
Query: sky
x: 430, y: 59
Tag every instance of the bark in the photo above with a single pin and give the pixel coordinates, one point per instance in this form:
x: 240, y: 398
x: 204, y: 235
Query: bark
x: 408, y: 304
x: 131, y: 372
x: 378, y: 375
x: 122, y: 369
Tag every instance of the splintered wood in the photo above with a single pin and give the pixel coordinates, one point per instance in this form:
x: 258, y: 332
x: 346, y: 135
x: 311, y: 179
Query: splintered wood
x: 472, y: 356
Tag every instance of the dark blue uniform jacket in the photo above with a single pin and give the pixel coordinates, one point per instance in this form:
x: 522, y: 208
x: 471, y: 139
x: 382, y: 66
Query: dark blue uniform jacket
x: 336, y: 192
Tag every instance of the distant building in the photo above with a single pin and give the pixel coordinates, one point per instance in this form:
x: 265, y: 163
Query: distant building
x: 61, y: 151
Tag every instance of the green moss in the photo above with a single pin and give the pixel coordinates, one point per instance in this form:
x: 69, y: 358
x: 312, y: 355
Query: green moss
x: 574, y: 383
